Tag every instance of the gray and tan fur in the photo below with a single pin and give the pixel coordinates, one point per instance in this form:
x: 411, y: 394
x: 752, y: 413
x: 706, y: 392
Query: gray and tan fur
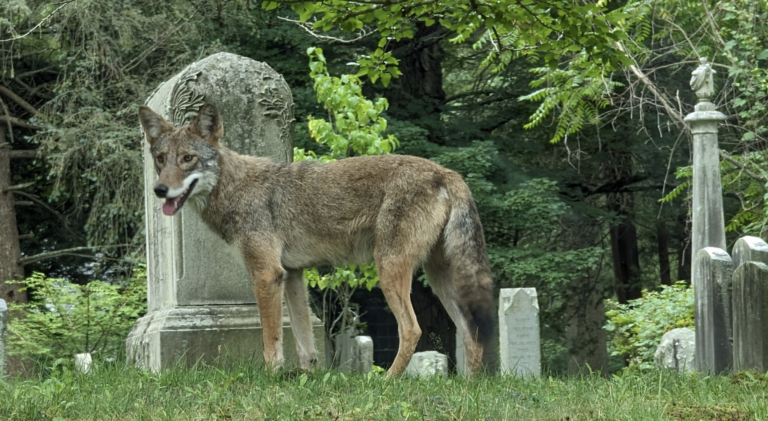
x: 400, y: 211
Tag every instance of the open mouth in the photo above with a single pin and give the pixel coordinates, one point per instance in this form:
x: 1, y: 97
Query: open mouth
x: 172, y: 205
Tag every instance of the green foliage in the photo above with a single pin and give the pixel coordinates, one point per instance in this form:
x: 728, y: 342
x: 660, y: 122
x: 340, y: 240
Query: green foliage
x: 545, y: 29
x: 63, y: 319
x: 578, y: 93
x: 351, y: 275
x: 355, y: 125
x: 638, y: 326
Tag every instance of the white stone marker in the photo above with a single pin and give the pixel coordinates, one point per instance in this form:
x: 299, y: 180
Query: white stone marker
x: 427, y: 363
x: 83, y: 363
x: 519, y: 339
x: 3, y: 336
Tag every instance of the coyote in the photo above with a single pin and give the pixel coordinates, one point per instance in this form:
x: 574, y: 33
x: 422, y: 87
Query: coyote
x: 400, y: 211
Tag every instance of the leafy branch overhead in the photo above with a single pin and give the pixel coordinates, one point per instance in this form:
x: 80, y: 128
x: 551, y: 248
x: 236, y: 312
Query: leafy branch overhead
x: 540, y: 29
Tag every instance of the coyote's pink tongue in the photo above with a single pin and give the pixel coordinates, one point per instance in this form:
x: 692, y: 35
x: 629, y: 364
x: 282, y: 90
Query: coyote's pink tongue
x: 171, y: 205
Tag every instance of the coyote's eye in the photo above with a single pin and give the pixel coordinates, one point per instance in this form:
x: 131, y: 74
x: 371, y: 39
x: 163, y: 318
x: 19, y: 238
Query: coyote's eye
x: 160, y: 159
x: 188, y: 158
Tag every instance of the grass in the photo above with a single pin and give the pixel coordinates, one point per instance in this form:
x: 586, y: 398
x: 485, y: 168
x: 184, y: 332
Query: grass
x: 245, y: 392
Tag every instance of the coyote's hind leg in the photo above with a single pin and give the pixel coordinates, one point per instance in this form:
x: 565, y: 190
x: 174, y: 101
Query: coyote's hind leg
x: 301, y: 323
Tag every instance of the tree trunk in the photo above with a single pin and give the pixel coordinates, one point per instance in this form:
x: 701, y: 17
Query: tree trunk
x: 10, y: 252
x: 417, y: 94
x: 587, y: 342
x: 624, y: 250
x: 662, y: 238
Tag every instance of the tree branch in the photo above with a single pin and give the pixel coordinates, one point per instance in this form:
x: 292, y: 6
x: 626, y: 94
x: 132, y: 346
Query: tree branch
x: 45, y: 19
x: 49, y: 209
x: 71, y: 251
x: 305, y: 26
x: 17, y: 99
x: 743, y: 168
x: 18, y: 122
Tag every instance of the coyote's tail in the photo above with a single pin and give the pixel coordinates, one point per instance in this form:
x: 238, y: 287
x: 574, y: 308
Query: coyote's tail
x: 466, y: 254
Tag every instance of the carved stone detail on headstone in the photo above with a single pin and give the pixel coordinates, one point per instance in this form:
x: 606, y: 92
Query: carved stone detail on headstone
x: 184, y: 103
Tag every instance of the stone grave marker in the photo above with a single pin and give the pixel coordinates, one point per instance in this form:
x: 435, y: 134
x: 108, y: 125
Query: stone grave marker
x: 750, y: 317
x: 676, y: 350
x: 3, y: 337
x: 749, y: 249
x: 427, y: 363
x: 201, y: 303
x: 519, y: 338
x: 360, y: 356
x: 714, y: 271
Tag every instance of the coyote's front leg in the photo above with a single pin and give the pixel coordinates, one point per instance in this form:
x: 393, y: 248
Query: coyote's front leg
x: 268, y: 278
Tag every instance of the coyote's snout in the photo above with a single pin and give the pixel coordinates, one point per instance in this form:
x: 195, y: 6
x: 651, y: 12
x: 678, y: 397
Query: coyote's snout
x: 400, y: 211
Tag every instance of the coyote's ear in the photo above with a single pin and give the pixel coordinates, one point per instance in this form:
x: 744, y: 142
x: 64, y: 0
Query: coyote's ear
x: 153, y: 124
x: 208, y: 124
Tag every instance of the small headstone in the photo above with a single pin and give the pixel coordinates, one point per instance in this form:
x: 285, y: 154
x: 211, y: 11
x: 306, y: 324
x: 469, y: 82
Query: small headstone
x: 749, y: 249
x: 427, y: 363
x: 519, y: 338
x: 83, y: 363
x: 676, y: 350
x: 714, y: 271
x: 3, y: 336
x: 750, y: 317
x: 362, y: 354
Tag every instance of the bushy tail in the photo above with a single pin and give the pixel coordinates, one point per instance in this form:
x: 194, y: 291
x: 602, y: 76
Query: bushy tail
x: 466, y: 254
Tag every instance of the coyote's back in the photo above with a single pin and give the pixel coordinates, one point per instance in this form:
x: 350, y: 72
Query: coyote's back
x: 400, y: 211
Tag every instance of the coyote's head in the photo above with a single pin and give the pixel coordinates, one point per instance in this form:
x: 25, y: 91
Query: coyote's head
x: 185, y: 157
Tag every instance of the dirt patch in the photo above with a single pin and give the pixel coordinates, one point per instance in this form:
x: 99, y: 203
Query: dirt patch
x: 713, y: 413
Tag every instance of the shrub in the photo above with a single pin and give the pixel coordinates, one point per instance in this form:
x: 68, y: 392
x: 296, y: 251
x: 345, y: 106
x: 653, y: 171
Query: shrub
x: 63, y: 319
x: 638, y: 326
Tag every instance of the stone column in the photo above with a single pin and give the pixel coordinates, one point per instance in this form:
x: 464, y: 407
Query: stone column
x: 519, y: 337
x: 708, y: 221
x: 201, y: 303
x: 750, y: 317
x: 3, y: 337
x: 713, y: 270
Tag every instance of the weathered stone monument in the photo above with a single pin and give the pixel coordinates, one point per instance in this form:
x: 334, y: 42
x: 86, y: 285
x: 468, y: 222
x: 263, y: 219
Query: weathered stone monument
x: 677, y: 350
x: 713, y: 270
x: 3, y: 337
x: 201, y: 303
x: 707, y: 210
x: 519, y: 339
x: 750, y: 317
x: 427, y: 363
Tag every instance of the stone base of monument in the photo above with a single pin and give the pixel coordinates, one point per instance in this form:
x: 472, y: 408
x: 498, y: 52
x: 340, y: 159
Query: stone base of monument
x: 221, y: 334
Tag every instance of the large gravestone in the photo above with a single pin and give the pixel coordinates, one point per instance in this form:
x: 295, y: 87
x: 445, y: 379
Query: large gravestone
x: 201, y: 303
x: 713, y: 270
x: 750, y: 317
x: 3, y: 336
x: 749, y: 249
x: 519, y: 339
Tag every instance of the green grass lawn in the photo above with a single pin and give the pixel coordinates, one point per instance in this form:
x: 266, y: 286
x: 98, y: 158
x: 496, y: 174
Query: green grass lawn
x: 244, y: 392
